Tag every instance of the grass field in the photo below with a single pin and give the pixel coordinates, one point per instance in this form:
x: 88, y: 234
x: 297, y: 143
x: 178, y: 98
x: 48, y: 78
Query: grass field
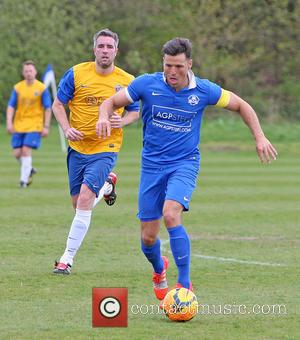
x: 244, y: 226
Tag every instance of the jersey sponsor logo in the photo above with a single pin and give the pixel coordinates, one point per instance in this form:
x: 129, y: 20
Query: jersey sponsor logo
x: 84, y: 86
x: 91, y: 100
x: 172, y: 119
x: 27, y: 102
x: 156, y: 94
x: 193, y: 99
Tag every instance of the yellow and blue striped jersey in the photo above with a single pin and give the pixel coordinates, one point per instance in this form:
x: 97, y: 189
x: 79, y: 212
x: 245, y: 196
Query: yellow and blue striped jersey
x: 83, y: 89
x: 29, y: 102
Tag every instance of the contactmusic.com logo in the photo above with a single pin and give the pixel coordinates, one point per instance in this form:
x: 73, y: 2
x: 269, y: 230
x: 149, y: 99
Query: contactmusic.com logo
x: 110, y: 307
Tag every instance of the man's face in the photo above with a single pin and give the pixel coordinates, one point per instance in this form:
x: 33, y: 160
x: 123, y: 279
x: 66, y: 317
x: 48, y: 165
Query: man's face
x: 176, y: 69
x: 105, y: 51
x: 29, y: 72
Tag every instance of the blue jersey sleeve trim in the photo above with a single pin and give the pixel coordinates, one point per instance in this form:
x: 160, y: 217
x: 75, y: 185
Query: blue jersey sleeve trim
x: 13, y: 99
x: 137, y: 85
x: 46, y: 99
x: 66, y: 87
x: 133, y: 107
x: 131, y: 92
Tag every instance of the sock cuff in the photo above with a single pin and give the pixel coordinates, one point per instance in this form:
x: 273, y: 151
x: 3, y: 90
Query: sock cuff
x: 26, y: 160
x: 153, y: 246
x: 176, y: 231
x: 83, y: 213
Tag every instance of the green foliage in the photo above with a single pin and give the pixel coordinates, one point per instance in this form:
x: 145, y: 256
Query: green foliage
x: 250, y: 46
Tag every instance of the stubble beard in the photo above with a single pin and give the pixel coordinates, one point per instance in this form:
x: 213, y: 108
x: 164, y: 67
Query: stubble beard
x: 103, y: 65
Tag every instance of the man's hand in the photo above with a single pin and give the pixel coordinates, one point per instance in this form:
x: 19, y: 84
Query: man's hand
x: 10, y: 128
x: 103, y: 128
x: 116, y: 121
x: 45, y: 132
x: 265, y: 150
x: 73, y: 134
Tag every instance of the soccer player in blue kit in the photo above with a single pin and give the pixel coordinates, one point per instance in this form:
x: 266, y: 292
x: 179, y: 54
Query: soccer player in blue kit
x: 172, y: 107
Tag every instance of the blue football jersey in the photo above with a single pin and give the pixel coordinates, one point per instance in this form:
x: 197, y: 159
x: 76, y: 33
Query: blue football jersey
x: 171, y: 120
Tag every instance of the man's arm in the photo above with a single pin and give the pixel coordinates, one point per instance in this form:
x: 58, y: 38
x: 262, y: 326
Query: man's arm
x: 62, y: 119
x: 129, y: 117
x: 106, y: 110
x: 265, y: 150
x: 10, y: 111
x: 47, y: 122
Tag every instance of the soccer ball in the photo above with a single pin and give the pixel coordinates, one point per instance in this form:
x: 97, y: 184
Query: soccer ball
x: 180, y: 304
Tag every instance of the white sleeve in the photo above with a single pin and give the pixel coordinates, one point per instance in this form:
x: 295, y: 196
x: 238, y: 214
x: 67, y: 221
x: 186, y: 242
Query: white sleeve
x: 128, y: 95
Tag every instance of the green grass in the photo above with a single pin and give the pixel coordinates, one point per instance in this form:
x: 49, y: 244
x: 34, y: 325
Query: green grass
x: 241, y: 210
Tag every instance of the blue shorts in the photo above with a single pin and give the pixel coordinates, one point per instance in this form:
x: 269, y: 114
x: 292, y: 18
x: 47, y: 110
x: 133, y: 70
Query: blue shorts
x: 30, y: 139
x: 91, y: 170
x: 172, y: 182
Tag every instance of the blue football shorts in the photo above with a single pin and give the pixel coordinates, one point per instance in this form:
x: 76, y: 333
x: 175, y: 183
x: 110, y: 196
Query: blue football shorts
x: 172, y: 182
x: 91, y: 170
x: 30, y: 139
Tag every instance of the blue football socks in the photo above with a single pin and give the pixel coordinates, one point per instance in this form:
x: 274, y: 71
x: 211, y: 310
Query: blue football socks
x: 154, y: 256
x: 180, y: 246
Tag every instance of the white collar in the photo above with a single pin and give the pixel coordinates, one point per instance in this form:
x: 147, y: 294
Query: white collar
x: 192, y: 80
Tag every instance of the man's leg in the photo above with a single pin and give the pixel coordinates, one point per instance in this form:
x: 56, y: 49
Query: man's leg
x: 87, y: 173
x: 79, y: 228
x: 108, y: 191
x: 181, y: 184
x: 17, y: 152
x: 179, y: 241
x: 151, y: 200
x: 16, y: 143
x: 31, y: 140
x: 26, y: 165
x: 150, y: 245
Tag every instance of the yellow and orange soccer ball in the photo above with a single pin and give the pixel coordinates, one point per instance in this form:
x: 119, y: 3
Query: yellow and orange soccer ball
x: 180, y: 304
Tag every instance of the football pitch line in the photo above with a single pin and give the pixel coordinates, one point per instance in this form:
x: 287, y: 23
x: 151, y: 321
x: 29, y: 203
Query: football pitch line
x: 224, y: 259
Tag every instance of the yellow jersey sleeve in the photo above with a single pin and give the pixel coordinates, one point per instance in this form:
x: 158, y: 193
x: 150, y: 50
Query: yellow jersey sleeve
x: 224, y: 99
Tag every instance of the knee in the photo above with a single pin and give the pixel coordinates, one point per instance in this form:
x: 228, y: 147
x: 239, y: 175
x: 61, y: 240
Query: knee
x: 148, y: 239
x: 86, y: 198
x: 149, y: 232
x: 17, y: 153
x: 172, y: 213
x: 26, y: 151
x: 170, y: 217
x: 83, y: 201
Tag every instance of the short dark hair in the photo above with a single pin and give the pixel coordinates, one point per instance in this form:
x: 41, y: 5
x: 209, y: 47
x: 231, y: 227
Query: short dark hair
x: 106, y: 33
x: 28, y: 62
x: 178, y: 46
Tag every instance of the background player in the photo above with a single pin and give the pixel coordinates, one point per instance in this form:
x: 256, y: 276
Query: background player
x: 90, y: 159
x: 28, y: 117
x: 173, y: 102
